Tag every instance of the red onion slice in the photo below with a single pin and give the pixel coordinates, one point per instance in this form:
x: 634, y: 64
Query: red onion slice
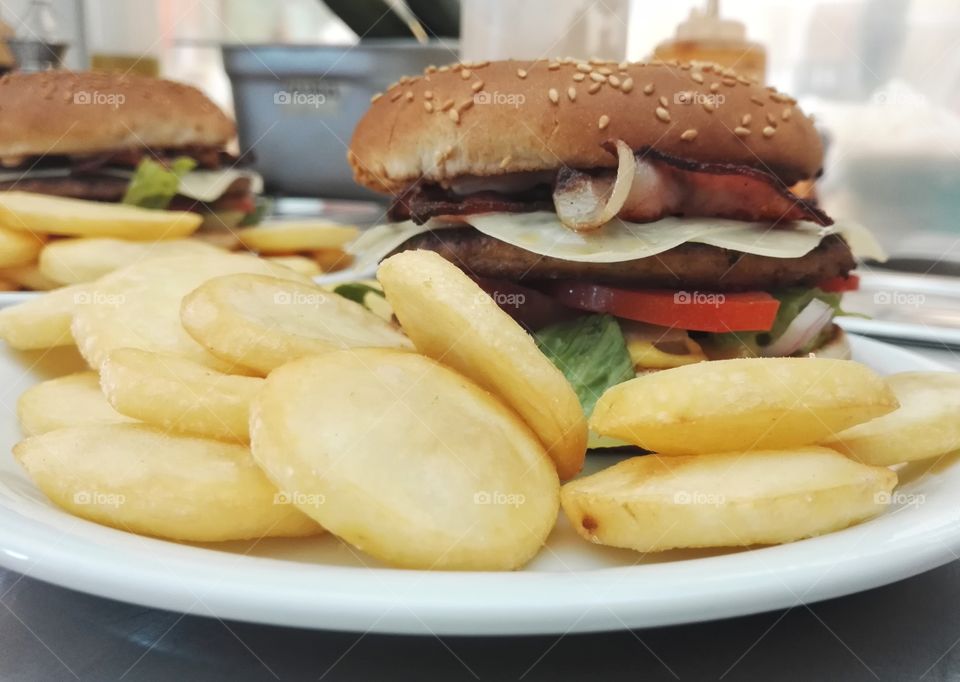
x: 804, y: 329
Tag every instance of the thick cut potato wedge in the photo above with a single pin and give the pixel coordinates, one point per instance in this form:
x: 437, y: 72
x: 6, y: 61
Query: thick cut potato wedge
x: 749, y: 404
x: 139, y: 306
x: 179, y: 395
x: 294, y: 236
x: 305, y: 266
x: 44, y: 214
x: 137, y: 478
x: 453, y: 320
x: 18, y: 247
x: 72, y: 261
x: 28, y: 277
x: 264, y: 322
x: 72, y: 400
x: 653, y: 503
x: 416, y: 465
x: 44, y: 321
x: 926, y: 425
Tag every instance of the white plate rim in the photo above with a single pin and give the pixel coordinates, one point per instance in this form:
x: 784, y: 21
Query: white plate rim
x: 467, y: 603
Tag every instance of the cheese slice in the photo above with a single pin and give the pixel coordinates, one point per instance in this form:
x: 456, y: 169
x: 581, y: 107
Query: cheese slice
x: 542, y: 233
x: 202, y: 185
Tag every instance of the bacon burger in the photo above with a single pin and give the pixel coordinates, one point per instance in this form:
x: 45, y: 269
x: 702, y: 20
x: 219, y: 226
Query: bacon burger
x: 121, y: 138
x: 634, y: 216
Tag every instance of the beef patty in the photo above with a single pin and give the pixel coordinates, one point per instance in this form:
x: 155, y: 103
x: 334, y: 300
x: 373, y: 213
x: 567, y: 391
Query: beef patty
x: 689, y: 266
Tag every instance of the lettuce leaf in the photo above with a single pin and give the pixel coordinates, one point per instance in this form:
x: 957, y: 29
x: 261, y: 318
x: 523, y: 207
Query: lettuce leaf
x: 154, y: 185
x: 592, y: 354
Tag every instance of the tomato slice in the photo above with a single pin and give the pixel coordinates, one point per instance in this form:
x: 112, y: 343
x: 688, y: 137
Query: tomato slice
x: 692, y: 310
x: 838, y: 284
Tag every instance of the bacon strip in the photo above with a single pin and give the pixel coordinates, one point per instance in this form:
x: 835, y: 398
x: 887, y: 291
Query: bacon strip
x: 662, y: 186
x: 668, y: 186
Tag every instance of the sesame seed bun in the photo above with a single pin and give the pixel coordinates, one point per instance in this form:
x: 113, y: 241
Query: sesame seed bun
x: 71, y: 113
x: 508, y: 116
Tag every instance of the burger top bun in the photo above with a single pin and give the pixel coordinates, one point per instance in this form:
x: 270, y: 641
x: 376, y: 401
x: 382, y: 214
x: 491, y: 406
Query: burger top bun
x: 490, y: 118
x: 83, y: 112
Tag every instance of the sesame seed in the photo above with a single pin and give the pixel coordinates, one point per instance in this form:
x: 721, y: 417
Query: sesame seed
x: 663, y: 114
x: 409, y: 96
x: 404, y: 80
x: 597, y: 77
x: 446, y: 105
x: 623, y: 66
x: 428, y: 106
x: 454, y: 115
x: 785, y: 115
x: 477, y: 86
x: 729, y: 82
x: 430, y: 69
x: 664, y: 102
x: 443, y: 69
x: 553, y: 95
x: 697, y: 77
x: 743, y: 80
x: 648, y: 89
x: 627, y: 85
x: 579, y: 76
x: 603, y: 122
x: 771, y: 119
x: 745, y: 119
x: 597, y: 60
x: 457, y: 66
x: 594, y: 87
x: 376, y: 97
x: 756, y: 100
x: 688, y: 135
x: 465, y: 104
x: 522, y: 73
x: 714, y: 87
x: 584, y: 68
x: 604, y: 70
x: 780, y: 97
x: 465, y: 74
x: 428, y: 94
x: 769, y: 131
x: 393, y: 85
x: 395, y: 96
x: 709, y: 106
x: 505, y: 161
x: 685, y: 67
x: 572, y: 93
x: 614, y: 81
x: 553, y: 66
x: 740, y: 131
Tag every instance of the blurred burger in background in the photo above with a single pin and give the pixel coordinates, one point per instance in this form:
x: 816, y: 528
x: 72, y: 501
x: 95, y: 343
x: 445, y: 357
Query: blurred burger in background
x: 633, y: 216
x: 119, y: 138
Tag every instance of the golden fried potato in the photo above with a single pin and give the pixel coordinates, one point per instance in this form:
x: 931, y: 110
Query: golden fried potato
x: 453, y: 320
x: 28, y: 277
x: 293, y: 236
x: 927, y: 424
x: 72, y: 261
x: 45, y: 214
x: 137, y: 478
x: 264, y: 322
x: 332, y: 260
x: 745, y: 404
x: 44, y: 321
x: 72, y: 400
x: 416, y: 465
x: 18, y: 247
x: 179, y: 395
x: 300, y: 264
x: 653, y: 503
x: 139, y: 306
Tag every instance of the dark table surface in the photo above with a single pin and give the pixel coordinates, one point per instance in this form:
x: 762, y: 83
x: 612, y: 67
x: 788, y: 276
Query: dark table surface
x: 909, y: 630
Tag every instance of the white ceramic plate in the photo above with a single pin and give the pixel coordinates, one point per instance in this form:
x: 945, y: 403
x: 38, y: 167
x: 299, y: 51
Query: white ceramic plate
x: 571, y: 587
